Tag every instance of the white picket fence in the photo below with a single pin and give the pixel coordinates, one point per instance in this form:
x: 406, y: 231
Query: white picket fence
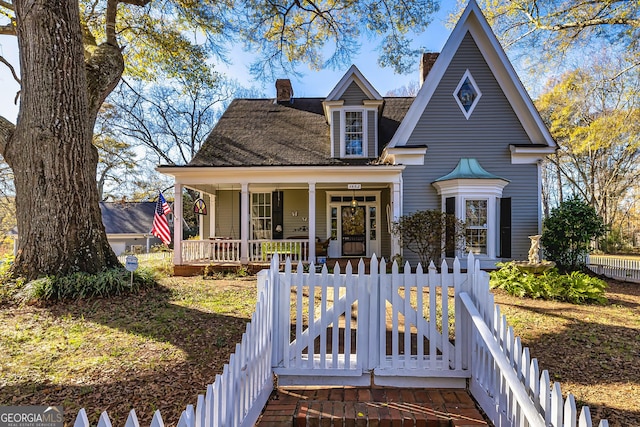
x: 619, y: 268
x: 503, y: 378
x: 505, y: 381
x: 238, y: 395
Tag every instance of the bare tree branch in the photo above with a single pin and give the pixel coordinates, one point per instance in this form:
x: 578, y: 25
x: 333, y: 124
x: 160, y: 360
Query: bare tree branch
x: 13, y: 71
x: 6, y: 132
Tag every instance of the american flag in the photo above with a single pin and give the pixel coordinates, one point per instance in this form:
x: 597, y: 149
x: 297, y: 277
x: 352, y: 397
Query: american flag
x: 160, y: 227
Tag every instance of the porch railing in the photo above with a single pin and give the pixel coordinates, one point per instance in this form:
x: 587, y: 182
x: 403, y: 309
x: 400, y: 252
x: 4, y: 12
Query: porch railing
x: 230, y: 251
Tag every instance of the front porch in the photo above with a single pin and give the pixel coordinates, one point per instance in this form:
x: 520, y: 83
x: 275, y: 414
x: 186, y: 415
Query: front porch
x: 330, y: 213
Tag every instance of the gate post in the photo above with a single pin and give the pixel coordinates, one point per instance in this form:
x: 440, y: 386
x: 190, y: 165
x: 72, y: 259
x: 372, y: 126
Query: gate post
x: 373, y: 339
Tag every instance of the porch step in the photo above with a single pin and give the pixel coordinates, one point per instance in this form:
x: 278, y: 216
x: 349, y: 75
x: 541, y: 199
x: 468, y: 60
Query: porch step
x: 366, y: 406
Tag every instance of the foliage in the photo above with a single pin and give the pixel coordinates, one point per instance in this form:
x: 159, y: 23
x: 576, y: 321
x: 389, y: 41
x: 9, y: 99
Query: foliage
x: 568, y: 231
x: 555, y: 28
x: 423, y: 233
x: 594, y: 114
x: 575, y: 287
x: 82, y: 285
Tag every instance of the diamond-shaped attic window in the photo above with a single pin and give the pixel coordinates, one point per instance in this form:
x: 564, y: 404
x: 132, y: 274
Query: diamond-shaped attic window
x: 467, y: 94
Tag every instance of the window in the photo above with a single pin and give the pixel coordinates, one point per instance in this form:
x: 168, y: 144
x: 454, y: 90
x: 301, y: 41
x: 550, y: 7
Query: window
x: 467, y: 94
x: 353, y: 134
x: 261, y: 215
x: 476, y: 217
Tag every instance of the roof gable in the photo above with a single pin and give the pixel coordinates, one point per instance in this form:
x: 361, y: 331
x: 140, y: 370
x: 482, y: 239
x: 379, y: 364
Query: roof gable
x: 474, y: 23
x: 353, y: 75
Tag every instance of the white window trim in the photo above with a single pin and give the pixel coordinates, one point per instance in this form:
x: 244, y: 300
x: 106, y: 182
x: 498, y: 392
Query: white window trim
x: 488, y: 224
x: 251, y: 217
x: 467, y: 74
x: 374, y: 246
x: 365, y: 131
x: 476, y: 189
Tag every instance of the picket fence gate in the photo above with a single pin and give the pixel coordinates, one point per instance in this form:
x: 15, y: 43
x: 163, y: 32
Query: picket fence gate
x: 501, y: 375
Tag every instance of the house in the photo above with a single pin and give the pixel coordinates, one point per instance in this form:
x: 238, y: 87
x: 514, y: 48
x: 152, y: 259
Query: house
x: 281, y: 175
x: 128, y: 226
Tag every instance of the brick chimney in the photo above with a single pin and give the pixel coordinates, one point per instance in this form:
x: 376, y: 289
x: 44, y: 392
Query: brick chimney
x: 426, y: 63
x: 284, y: 91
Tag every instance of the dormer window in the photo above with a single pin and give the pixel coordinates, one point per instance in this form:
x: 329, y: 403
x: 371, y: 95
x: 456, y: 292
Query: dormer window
x: 353, y: 134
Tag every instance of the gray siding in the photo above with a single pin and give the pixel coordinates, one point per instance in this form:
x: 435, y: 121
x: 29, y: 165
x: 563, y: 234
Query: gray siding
x: 228, y: 214
x: 353, y: 95
x: 336, y: 133
x: 372, y: 131
x: 485, y: 136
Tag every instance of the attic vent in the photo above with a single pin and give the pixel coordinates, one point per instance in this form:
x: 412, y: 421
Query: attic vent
x: 467, y: 94
x: 284, y: 90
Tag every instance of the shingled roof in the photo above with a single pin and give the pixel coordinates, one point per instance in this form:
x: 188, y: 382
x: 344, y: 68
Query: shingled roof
x: 127, y: 217
x: 260, y: 132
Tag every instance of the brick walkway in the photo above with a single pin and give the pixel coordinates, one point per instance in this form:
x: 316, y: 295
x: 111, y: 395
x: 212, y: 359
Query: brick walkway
x: 364, y: 406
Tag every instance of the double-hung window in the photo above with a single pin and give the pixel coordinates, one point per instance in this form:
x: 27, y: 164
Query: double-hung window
x: 476, y: 219
x: 354, y: 134
x: 261, y: 215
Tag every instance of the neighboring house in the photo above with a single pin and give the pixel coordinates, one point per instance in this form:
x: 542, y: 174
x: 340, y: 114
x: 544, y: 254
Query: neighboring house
x: 128, y: 226
x: 279, y: 175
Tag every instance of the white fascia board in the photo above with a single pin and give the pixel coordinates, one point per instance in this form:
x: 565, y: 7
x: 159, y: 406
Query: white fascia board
x: 353, y: 74
x: 329, y: 106
x: 473, y: 21
x: 528, y: 155
x: 431, y: 83
x: 283, y: 174
x: 404, y: 155
x: 508, y: 79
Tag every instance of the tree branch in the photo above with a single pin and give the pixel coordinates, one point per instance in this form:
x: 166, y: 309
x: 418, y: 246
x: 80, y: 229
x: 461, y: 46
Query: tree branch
x: 13, y: 71
x: 7, y: 5
x: 6, y: 132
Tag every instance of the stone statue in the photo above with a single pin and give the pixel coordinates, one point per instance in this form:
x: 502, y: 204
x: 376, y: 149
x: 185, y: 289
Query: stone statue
x: 534, y: 251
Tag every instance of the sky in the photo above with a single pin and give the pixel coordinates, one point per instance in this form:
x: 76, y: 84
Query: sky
x: 310, y: 84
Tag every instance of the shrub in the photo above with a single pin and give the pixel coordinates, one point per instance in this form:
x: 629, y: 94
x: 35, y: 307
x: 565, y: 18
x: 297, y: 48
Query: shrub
x: 83, y: 285
x: 576, y: 287
x: 568, y: 232
x: 423, y: 233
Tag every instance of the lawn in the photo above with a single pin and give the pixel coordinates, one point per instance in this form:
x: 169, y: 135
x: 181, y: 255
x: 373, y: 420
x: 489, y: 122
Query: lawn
x: 158, y: 350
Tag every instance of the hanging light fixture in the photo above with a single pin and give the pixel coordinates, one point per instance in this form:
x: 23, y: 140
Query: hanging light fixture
x: 354, y: 203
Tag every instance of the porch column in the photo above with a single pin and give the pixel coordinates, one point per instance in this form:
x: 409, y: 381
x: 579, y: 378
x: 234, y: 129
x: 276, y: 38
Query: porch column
x: 396, y: 200
x: 312, y: 222
x: 177, y: 224
x: 244, y: 224
x: 213, y: 199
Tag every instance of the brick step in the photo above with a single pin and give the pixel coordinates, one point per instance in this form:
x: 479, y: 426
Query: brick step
x: 372, y: 407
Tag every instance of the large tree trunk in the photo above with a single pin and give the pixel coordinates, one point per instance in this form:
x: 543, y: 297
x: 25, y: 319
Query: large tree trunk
x: 50, y: 150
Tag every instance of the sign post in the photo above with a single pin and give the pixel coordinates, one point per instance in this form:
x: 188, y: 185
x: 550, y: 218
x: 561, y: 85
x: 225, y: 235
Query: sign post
x: 131, y: 264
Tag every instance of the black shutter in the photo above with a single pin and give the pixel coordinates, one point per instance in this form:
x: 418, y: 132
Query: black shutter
x: 505, y: 227
x: 277, y: 214
x: 450, y: 209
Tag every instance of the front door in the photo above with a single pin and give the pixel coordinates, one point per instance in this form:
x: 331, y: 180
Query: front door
x: 354, y: 236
